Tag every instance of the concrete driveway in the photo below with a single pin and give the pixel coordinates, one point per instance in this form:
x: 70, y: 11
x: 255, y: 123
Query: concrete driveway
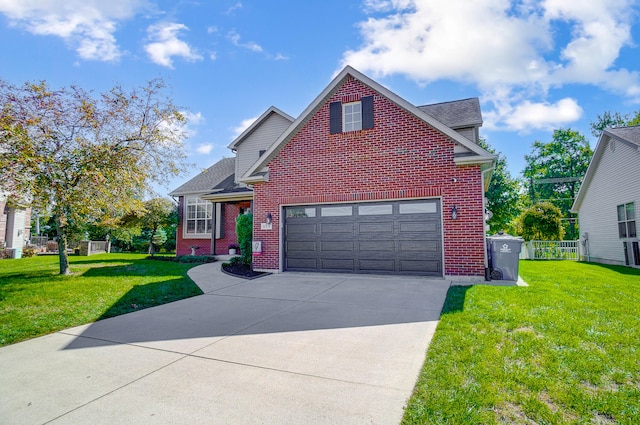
x: 293, y: 348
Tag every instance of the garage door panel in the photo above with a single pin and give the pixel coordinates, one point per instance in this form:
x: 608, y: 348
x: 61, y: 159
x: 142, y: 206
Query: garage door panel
x: 419, y: 246
x: 377, y: 265
x: 419, y: 266
x: 337, y: 264
x: 380, y: 237
x: 342, y: 246
x: 376, y: 228
x: 341, y: 228
x: 301, y: 246
x: 378, y: 245
x: 419, y: 226
x: 301, y: 228
x: 302, y: 263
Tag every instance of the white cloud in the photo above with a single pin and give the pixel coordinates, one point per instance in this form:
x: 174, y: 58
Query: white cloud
x: 205, y: 149
x: 510, y: 50
x: 164, y: 44
x: 193, y: 120
x: 233, y: 8
x: 234, y: 37
x: 88, y: 26
x: 243, y: 126
x: 540, y: 115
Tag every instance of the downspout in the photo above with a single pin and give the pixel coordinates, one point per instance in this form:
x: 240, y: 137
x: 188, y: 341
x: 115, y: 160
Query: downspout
x: 213, y: 228
x: 487, y: 272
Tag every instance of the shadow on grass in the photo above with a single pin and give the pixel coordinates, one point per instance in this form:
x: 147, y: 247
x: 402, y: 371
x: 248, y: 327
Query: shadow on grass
x: 454, y: 302
x: 151, y: 295
x: 136, y: 269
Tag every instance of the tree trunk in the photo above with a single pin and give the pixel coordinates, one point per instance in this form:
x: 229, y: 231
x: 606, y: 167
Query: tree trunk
x: 62, y: 249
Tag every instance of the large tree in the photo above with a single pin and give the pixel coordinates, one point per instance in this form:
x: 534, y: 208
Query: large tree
x: 87, y: 158
x: 612, y: 120
x: 503, y: 196
x: 153, y: 215
x: 554, y: 171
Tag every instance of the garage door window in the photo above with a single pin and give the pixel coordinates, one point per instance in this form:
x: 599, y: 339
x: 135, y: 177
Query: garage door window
x: 336, y: 211
x: 301, y: 212
x: 418, y: 208
x: 375, y: 209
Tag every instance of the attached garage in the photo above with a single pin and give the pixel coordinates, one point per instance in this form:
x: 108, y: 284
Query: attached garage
x: 392, y: 237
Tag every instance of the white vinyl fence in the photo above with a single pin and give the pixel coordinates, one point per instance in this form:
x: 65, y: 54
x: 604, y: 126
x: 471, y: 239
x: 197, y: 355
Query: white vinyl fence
x: 550, y: 250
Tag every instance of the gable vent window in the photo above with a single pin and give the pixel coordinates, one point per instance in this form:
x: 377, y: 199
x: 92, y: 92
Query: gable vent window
x: 352, y: 116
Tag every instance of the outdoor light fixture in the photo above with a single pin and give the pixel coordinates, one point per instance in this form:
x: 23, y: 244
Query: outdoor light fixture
x: 269, y: 217
x: 454, y: 213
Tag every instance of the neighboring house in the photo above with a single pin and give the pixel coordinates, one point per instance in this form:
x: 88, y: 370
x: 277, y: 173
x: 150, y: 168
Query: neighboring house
x: 608, y: 202
x: 15, y: 224
x: 362, y: 181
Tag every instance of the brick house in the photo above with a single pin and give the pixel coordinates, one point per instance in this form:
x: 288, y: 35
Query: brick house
x: 362, y: 181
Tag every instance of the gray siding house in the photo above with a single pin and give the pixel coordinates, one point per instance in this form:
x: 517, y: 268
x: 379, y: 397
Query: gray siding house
x: 608, y: 203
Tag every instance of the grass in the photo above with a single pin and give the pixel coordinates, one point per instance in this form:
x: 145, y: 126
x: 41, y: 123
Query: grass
x: 35, y: 300
x: 565, y: 350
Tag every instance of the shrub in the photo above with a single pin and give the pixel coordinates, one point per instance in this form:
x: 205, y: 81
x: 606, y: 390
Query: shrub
x: 542, y: 221
x: 29, y: 252
x: 185, y: 258
x: 244, y: 232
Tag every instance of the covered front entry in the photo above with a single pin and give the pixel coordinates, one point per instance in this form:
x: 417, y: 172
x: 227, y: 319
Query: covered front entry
x: 400, y: 237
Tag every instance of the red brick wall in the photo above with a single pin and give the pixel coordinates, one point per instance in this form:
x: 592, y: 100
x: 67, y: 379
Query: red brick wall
x: 229, y: 214
x: 401, y: 157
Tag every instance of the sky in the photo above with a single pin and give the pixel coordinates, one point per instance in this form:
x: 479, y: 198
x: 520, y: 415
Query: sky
x: 535, y: 65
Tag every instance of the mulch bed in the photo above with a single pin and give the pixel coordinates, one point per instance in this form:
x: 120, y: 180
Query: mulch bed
x: 241, y: 270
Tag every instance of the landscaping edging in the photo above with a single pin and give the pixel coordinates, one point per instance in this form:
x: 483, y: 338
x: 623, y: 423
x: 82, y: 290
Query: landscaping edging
x: 257, y: 275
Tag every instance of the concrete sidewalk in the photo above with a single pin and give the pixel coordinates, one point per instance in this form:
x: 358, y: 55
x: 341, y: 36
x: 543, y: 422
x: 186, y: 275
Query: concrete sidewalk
x: 283, y: 349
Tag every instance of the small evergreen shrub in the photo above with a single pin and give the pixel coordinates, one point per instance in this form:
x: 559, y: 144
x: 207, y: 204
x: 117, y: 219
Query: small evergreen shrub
x: 244, y: 232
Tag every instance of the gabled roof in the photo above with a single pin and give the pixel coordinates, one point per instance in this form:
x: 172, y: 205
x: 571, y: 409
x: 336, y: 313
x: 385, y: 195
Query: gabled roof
x: 477, y: 154
x: 257, y: 123
x: 457, y: 113
x: 628, y: 135
x: 208, y: 179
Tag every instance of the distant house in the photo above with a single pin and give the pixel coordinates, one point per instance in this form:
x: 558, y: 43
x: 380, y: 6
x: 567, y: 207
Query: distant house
x: 608, y: 202
x: 15, y: 224
x: 361, y: 182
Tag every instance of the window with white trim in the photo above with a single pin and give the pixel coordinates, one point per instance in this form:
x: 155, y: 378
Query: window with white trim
x: 627, y: 221
x: 197, y: 217
x: 351, y: 116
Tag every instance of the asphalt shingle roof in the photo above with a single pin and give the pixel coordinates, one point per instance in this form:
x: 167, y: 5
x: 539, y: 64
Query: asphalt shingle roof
x: 208, y: 179
x: 457, y: 113
x: 631, y: 134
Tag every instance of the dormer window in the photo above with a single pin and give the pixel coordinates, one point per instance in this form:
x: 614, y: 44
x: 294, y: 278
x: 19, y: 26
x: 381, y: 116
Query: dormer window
x: 352, y: 116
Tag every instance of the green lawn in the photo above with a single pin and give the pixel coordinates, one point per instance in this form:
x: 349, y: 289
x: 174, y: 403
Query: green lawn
x: 35, y: 300
x: 565, y: 350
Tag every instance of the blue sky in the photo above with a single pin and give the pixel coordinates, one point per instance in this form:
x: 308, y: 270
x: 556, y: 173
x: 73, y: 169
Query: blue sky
x: 535, y: 65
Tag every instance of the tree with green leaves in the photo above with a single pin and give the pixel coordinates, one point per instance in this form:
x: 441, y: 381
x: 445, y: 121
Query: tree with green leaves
x: 154, y: 215
x: 612, y: 120
x: 542, y: 222
x: 503, y: 196
x: 554, y: 172
x: 87, y: 158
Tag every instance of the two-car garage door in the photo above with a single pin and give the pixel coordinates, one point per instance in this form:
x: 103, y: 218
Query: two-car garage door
x: 401, y: 237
